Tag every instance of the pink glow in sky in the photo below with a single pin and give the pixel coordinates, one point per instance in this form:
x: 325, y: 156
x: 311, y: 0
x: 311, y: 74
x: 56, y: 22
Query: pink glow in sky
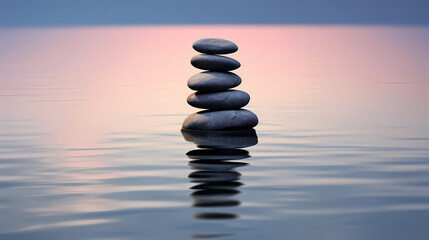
x: 80, y: 83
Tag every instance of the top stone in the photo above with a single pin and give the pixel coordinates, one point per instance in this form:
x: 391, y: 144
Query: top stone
x: 214, y: 46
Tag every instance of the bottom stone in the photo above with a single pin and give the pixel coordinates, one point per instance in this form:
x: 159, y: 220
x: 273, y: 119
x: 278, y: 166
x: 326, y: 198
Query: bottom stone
x: 221, y: 139
x: 221, y: 120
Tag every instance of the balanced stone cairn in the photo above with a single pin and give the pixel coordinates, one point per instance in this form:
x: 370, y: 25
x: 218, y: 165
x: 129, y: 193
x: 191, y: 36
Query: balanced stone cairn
x: 224, y: 106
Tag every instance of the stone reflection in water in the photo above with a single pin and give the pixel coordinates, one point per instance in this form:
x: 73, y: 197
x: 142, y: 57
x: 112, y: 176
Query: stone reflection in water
x: 217, y: 179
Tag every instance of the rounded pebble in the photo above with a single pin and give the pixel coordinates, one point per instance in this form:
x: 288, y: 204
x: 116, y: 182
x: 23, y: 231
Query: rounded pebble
x: 221, y: 120
x: 214, y: 63
x: 213, y: 81
x: 224, y: 100
x: 215, y: 46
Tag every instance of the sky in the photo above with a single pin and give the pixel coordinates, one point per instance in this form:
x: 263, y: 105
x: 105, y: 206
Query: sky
x: 46, y: 13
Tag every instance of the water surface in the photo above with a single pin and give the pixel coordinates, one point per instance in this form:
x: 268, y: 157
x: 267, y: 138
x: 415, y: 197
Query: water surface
x: 91, y: 148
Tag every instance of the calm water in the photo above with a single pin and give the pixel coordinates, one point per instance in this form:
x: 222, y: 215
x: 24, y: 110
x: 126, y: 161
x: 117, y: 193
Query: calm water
x: 91, y: 148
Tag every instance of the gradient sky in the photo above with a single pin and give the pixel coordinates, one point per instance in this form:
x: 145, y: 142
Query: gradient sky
x: 110, y: 79
x: 40, y: 13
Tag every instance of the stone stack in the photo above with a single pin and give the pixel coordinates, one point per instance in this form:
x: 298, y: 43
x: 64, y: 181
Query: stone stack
x: 213, y: 86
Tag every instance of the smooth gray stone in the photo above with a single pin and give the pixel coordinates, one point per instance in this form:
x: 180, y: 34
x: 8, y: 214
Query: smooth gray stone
x: 221, y: 139
x: 213, y: 81
x: 221, y: 120
x: 214, y: 46
x: 224, y: 100
x: 214, y: 63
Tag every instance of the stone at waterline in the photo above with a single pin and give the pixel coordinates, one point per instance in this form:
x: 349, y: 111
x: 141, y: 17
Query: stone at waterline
x: 224, y: 100
x: 213, y: 81
x: 214, y: 46
x: 221, y: 139
x: 221, y: 120
x: 214, y: 63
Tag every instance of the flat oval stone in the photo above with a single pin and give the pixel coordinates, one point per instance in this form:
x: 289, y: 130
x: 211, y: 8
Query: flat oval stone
x: 224, y: 100
x: 221, y: 120
x: 214, y: 46
x: 213, y: 81
x: 214, y: 63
